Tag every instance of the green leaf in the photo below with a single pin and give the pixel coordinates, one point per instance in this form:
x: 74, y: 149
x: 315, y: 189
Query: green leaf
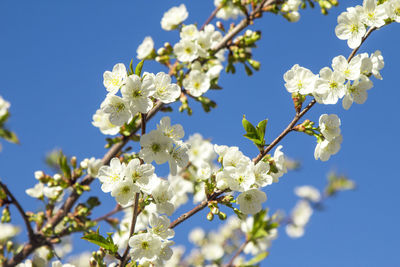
x: 262, y: 125
x: 4, y: 118
x: 131, y: 67
x: 9, y: 136
x: 255, y: 134
x: 139, y: 67
x: 63, y: 162
x: 248, y: 127
x: 106, y: 243
x: 258, y: 258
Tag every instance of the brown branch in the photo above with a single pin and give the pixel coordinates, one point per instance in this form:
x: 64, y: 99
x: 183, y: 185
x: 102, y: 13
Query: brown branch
x: 362, y: 41
x: 238, y: 252
x: 211, y: 17
x: 14, y: 201
x: 133, y: 224
x: 289, y: 128
x: 111, y: 213
x: 196, y: 209
x: 306, y: 109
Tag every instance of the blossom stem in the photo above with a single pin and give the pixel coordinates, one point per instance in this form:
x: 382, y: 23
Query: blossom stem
x: 196, y: 209
x: 211, y: 17
x: 238, y: 252
x: 132, y: 230
x: 31, y: 233
x: 298, y: 116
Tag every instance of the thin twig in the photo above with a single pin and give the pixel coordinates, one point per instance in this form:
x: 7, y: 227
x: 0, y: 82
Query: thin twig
x: 298, y: 116
x: 31, y: 233
x: 240, y: 250
x: 211, y: 17
x: 133, y: 224
x: 196, y: 209
x: 111, y: 213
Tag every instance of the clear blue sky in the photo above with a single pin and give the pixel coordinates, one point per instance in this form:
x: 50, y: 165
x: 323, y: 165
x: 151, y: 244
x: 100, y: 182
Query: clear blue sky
x: 52, y: 58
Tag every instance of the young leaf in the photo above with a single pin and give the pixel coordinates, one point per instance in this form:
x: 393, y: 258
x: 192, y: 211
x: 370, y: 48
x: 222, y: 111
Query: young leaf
x: 139, y: 67
x: 99, y: 240
x: 258, y: 258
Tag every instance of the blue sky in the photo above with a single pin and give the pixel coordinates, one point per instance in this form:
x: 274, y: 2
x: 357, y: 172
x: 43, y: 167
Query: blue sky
x: 52, y: 58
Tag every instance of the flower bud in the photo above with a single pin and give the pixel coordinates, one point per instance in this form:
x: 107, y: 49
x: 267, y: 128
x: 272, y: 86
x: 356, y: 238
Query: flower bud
x: 210, y: 216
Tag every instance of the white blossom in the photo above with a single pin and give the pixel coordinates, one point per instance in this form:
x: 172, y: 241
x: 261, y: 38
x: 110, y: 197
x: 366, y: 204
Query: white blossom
x: 197, y: 235
x: 299, y: 80
x: 373, y: 15
x: 228, y: 10
x: 189, y: 32
x: 329, y: 126
x: 200, y: 151
x: 329, y: 87
x: 138, y: 174
x: 109, y: 176
x: 350, y: 27
x: 251, y: 200
x: 325, y: 148
x: 262, y: 178
x: 53, y: 192
x: 162, y: 195
x: 175, y: 132
x: 144, y: 246
x: 137, y: 92
x: 350, y: 70
x: 308, y: 192
x: 101, y: 120
x: 186, y: 50
x: 4, y: 106
x: 357, y: 91
x: 155, y: 146
x: 377, y: 64
x: 36, y: 191
x: 173, y: 17
x: 197, y: 83
x: 115, y: 79
x: 145, y: 48
x: 124, y: 192
x: 165, y: 91
x: 118, y: 110
x: 159, y: 225
x: 392, y: 9
x: 8, y: 231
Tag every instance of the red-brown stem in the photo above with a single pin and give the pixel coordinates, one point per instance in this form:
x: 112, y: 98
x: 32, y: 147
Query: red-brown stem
x: 240, y: 250
x: 133, y: 224
x: 211, y: 17
x: 14, y: 201
x: 196, y: 209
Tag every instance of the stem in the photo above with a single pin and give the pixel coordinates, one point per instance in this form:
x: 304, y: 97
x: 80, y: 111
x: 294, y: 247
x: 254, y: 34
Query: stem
x: 240, y: 250
x: 288, y: 129
x: 111, y: 213
x: 196, y: 209
x: 242, y: 24
x: 211, y: 17
x: 133, y: 224
x: 31, y: 233
x: 298, y: 116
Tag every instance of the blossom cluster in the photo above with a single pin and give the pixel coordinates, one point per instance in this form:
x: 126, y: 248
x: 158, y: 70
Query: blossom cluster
x: 353, y: 23
x: 138, y: 96
x: 329, y: 143
x: 303, y: 210
x: 240, y: 174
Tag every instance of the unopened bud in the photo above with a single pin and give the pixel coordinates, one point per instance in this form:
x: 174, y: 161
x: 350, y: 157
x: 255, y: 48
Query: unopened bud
x: 39, y: 175
x: 222, y: 216
x: 210, y: 216
x: 220, y: 26
x: 73, y: 162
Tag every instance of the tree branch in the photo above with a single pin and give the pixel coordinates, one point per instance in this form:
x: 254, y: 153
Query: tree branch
x: 14, y: 201
x: 238, y: 252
